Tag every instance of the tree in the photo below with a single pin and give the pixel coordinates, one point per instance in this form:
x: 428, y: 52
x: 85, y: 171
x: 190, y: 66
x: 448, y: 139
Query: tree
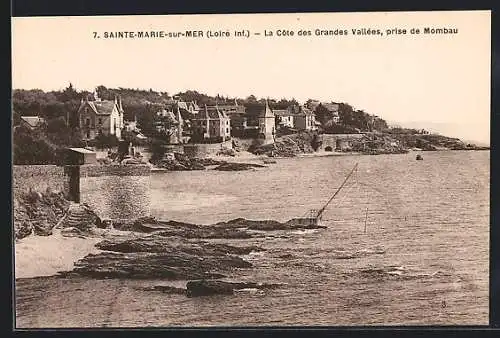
x: 69, y: 94
x: 30, y: 148
x: 103, y: 141
x: 158, y: 150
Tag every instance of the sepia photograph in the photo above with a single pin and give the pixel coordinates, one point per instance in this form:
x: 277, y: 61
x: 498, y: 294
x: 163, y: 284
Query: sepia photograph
x: 251, y: 170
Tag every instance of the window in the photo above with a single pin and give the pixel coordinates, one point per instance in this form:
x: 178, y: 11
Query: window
x: 99, y: 121
x: 227, y: 130
x: 87, y: 122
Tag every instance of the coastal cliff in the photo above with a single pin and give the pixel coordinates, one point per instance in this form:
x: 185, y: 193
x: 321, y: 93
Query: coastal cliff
x: 368, y: 143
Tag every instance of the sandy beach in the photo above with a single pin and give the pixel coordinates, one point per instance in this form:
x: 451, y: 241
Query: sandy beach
x: 38, y: 256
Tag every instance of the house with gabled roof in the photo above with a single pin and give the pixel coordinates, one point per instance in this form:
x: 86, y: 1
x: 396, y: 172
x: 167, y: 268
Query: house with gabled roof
x: 211, y: 123
x: 100, y: 117
x: 285, y: 117
x: 304, y: 119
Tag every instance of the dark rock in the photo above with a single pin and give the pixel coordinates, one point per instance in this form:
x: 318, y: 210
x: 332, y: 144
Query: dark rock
x: 268, y: 225
x: 145, y: 225
x: 238, y: 166
x: 81, y: 216
x: 169, y: 265
x: 188, y: 230
x: 204, y: 287
x: 23, y: 229
x: 36, y: 212
x: 208, y: 288
x: 166, y: 289
x: 42, y: 228
x: 155, y: 243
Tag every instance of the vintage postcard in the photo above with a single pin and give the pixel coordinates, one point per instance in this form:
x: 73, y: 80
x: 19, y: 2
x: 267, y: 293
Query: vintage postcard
x: 321, y: 169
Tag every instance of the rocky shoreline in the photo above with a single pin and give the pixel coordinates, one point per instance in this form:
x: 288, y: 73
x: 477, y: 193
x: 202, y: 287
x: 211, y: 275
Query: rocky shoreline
x: 148, y: 248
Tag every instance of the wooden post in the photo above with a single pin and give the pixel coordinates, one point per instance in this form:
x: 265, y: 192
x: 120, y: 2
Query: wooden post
x: 72, y: 173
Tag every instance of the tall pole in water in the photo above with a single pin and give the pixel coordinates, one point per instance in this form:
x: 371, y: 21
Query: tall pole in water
x: 338, y: 190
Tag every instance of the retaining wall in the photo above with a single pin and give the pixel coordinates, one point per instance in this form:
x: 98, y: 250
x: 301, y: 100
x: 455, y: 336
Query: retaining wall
x: 38, y: 178
x: 200, y: 150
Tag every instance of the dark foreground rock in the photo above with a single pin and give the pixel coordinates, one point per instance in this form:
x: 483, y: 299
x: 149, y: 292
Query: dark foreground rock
x: 199, y: 288
x: 238, y: 166
x: 154, y: 256
x: 141, y: 265
x: 165, y: 289
x: 156, y: 243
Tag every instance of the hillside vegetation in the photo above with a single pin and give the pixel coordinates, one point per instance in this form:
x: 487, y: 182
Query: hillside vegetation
x: 59, y: 109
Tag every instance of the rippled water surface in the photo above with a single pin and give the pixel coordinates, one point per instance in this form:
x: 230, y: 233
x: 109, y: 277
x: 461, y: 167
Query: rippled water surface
x: 407, y: 244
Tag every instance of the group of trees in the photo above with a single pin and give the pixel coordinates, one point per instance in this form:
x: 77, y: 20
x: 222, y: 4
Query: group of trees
x: 44, y: 145
x: 59, y: 110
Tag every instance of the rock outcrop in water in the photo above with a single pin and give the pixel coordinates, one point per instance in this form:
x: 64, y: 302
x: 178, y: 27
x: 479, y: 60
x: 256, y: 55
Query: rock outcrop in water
x: 238, y: 166
x: 176, y: 250
x: 211, y: 287
x: 143, y: 265
x: 156, y: 256
x: 239, y: 228
x: 181, y: 162
x: 199, y: 288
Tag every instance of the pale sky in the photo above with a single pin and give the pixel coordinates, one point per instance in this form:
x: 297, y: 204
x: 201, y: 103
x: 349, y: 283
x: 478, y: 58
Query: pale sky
x: 443, y: 80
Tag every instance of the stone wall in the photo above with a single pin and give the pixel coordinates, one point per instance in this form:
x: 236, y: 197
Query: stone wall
x: 38, y: 178
x: 118, y: 192
x: 338, y: 141
x: 200, y: 150
x: 114, y: 170
x: 114, y: 192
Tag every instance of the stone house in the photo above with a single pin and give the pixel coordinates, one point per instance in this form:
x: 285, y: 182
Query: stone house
x: 211, y: 123
x: 304, y: 119
x: 285, y: 118
x: 171, y: 124
x: 100, y: 117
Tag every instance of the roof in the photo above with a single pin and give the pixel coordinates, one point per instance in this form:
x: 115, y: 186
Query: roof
x: 193, y: 105
x: 82, y: 150
x: 211, y: 113
x: 33, y: 121
x: 267, y: 112
x: 283, y: 112
x: 102, y: 107
x: 305, y: 111
x: 182, y: 105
